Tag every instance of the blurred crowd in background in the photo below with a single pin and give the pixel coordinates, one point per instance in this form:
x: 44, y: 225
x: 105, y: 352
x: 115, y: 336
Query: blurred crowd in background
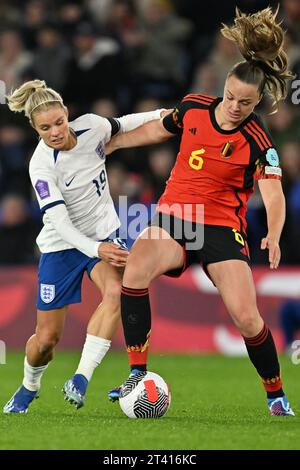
x: 115, y: 57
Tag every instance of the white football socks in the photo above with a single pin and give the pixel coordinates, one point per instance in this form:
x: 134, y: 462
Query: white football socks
x: 93, y: 352
x: 32, y: 376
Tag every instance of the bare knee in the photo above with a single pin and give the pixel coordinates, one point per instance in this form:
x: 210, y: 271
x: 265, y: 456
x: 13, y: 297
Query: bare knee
x: 47, y: 340
x: 111, y: 296
x: 138, y: 274
x: 248, y: 321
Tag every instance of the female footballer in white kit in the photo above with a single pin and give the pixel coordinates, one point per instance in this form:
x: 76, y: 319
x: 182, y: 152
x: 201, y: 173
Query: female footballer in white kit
x: 67, y: 171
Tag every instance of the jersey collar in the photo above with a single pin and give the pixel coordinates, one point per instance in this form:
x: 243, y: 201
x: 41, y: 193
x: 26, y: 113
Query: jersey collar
x: 78, y: 133
x: 216, y: 125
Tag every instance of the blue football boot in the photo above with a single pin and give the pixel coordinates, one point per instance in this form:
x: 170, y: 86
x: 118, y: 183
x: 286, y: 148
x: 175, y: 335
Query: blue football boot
x: 20, y: 401
x: 74, y: 390
x: 280, y: 407
x: 113, y: 395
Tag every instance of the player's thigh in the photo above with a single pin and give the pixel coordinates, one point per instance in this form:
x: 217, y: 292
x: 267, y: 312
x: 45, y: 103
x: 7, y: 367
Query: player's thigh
x: 153, y: 253
x: 233, y: 278
x: 50, y: 323
x: 108, y: 279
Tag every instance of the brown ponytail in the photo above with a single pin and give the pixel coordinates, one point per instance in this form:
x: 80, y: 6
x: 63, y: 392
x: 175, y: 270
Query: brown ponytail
x: 260, y: 40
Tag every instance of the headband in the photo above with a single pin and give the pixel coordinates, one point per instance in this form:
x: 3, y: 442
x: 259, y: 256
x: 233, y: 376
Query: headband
x: 44, y: 102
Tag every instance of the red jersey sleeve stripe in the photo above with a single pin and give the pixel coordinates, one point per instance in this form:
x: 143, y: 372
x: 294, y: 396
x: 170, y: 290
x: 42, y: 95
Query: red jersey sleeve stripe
x: 262, y: 132
x: 260, y: 135
x: 255, y: 137
x: 197, y: 98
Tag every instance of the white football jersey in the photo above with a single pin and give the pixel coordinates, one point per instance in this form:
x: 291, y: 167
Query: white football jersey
x: 78, y: 179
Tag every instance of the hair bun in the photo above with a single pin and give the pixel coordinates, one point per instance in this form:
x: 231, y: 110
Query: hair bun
x: 30, y: 95
x: 38, y: 85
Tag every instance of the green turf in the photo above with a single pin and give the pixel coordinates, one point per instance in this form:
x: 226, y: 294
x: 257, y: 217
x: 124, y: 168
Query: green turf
x: 217, y: 403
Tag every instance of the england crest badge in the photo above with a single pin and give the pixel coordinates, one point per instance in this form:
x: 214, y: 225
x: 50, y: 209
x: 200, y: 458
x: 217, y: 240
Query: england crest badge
x: 100, y: 151
x: 47, y: 292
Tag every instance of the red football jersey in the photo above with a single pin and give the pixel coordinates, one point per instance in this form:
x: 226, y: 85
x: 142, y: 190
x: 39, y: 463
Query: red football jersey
x: 215, y: 168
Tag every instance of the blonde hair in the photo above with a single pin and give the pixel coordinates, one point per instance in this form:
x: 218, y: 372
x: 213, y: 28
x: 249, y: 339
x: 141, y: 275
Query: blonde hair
x: 260, y: 40
x: 32, y: 95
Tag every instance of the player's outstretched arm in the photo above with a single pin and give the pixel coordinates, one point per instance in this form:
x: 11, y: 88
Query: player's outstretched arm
x: 152, y: 132
x: 132, y: 121
x: 274, y: 202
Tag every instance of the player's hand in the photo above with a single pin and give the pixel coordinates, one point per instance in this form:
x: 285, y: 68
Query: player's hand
x: 113, y: 254
x: 274, y: 251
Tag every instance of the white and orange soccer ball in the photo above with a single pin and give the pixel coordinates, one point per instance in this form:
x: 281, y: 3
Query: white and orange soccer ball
x: 145, y: 396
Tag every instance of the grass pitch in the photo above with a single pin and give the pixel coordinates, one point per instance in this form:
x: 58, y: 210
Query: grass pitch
x: 217, y: 403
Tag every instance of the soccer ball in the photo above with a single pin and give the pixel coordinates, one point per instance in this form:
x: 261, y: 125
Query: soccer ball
x: 145, y: 395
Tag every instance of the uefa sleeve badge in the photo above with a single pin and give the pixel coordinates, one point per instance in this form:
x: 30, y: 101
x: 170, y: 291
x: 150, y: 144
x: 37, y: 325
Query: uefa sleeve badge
x: 272, y: 157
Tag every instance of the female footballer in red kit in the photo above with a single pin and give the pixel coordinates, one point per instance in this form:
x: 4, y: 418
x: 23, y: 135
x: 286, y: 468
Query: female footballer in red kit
x: 224, y: 148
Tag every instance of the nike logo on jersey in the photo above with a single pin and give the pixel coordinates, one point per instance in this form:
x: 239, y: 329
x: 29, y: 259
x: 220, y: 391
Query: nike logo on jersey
x: 69, y: 182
